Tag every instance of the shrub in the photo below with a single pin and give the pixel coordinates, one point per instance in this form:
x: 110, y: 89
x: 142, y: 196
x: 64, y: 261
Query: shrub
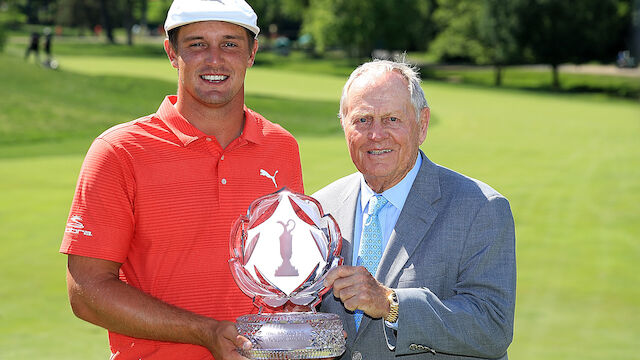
x: 3, y: 37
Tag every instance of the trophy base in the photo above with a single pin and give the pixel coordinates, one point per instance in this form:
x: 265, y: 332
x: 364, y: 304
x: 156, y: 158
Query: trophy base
x: 296, y: 335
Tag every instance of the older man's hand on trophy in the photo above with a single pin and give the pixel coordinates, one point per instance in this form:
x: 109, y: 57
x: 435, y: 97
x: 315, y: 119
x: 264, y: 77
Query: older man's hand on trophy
x: 359, y: 290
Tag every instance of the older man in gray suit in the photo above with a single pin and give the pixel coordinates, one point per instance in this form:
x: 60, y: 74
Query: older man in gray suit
x: 430, y: 273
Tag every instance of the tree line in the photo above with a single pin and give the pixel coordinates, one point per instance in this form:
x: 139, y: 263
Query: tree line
x: 483, y: 32
x: 88, y: 15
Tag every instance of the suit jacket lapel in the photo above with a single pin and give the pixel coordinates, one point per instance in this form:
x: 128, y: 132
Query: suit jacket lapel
x: 344, y: 213
x: 413, y: 223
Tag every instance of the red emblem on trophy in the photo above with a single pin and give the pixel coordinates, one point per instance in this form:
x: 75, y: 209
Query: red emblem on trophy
x: 281, y: 252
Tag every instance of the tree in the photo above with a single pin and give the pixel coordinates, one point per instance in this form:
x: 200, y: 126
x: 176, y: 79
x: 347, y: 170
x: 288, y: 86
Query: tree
x: 360, y: 26
x: 78, y: 14
x: 11, y: 15
x: 106, y: 21
x: 556, y: 32
x: 319, y: 20
x: 144, y: 8
x: 481, y: 32
x: 634, y: 36
x: 36, y: 11
x: 108, y: 14
x: 128, y: 20
x: 282, y: 16
x: 3, y: 36
x: 132, y: 13
x: 457, y: 38
x: 30, y: 9
x: 499, y: 22
x: 156, y: 13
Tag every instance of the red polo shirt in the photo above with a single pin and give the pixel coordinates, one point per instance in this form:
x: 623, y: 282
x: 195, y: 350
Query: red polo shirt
x: 159, y: 196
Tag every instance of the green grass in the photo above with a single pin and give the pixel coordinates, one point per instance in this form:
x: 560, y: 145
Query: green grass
x: 35, y: 317
x: 72, y: 104
x: 569, y: 164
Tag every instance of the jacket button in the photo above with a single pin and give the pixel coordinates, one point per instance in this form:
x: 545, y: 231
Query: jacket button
x: 413, y: 347
x: 356, y: 355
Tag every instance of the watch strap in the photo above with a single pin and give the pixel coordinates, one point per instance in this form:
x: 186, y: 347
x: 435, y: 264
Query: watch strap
x: 394, y: 306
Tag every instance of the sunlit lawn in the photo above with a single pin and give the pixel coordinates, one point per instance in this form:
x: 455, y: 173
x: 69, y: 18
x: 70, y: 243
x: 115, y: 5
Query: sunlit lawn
x: 569, y: 164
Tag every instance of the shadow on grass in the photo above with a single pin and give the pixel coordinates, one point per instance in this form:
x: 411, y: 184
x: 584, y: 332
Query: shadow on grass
x: 57, y: 112
x: 302, y: 62
x: 92, y: 46
x: 538, y: 81
x: 622, y: 92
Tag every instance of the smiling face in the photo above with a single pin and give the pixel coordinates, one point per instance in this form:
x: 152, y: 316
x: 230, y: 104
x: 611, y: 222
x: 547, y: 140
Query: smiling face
x: 212, y: 58
x: 381, y: 130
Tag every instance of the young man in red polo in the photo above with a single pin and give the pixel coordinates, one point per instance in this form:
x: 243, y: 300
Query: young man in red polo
x: 148, y: 231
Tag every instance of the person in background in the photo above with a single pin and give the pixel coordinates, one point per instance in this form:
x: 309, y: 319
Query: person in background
x: 34, y: 47
x: 48, y: 38
x: 430, y: 269
x: 147, y: 236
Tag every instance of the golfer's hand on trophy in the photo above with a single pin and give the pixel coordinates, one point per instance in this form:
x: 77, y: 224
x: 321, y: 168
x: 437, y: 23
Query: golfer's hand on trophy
x: 222, y: 341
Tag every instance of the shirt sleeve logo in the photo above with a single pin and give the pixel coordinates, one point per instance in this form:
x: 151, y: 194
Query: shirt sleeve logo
x: 75, y: 226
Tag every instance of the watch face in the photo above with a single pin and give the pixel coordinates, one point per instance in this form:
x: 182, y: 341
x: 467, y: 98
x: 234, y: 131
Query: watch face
x: 393, y: 298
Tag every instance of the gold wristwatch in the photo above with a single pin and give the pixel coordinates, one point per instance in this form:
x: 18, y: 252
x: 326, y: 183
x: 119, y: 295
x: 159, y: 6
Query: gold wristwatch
x: 393, y: 305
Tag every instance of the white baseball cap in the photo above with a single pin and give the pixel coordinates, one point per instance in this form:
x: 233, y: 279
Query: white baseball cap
x: 183, y: 12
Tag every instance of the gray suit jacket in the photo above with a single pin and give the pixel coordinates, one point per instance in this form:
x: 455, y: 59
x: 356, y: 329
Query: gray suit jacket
x: 451, y: 259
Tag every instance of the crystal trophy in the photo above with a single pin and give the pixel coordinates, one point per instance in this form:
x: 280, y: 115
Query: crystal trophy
x: 281, y: 252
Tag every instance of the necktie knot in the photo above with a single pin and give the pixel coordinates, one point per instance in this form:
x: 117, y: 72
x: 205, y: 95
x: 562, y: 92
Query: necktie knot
x: 376, y: 204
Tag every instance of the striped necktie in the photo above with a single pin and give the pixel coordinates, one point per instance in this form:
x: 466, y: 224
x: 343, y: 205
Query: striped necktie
x: 371, y: 243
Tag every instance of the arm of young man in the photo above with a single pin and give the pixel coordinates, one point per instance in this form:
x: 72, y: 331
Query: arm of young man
x: 98, y: 296
x: 103, y: 204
